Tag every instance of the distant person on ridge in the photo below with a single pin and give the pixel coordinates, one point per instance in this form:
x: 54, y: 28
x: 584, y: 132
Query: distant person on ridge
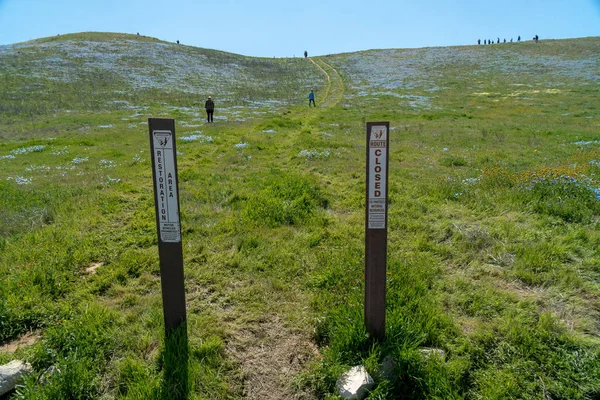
x: 210, y: 109
x: 519, y: 38
x: 305, y: 53
x: 311, y: 98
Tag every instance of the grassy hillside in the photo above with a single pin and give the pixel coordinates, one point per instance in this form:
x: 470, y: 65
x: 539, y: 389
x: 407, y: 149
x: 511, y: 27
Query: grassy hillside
x: 494, y: 246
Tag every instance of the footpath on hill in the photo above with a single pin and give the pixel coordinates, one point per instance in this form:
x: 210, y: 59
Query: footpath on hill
x: 270, y: 353
x: 335, y: 85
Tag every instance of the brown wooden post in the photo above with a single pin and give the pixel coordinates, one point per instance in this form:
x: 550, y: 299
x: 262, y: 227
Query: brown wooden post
x: 166, y: 205
x: 376, y: 227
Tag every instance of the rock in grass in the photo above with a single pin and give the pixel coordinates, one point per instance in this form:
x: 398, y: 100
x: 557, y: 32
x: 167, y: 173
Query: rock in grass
x: 11, y: 373
x: 388, y: 367
x: 355, y: 384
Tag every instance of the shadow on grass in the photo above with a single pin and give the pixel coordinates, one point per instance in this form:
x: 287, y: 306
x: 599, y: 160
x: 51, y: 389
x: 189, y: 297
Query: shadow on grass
x: 175, y: 357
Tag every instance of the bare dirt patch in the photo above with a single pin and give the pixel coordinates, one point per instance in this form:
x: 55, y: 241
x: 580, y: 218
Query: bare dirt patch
x: 270, y: 356
x: 25, y: 340
x: 93, y: 267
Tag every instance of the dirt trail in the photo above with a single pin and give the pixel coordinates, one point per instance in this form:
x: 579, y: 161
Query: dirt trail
x: 271, y: 354
x: 271, y: 357
x: 335, y: 85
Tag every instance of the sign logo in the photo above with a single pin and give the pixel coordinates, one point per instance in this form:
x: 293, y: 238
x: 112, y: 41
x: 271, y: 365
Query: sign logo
x: 378, y: 133
x: 162, y: 137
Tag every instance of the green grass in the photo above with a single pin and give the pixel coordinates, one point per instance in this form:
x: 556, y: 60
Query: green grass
x: 493, y: 220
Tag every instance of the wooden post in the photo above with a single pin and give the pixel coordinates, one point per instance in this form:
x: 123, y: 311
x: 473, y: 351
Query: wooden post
x: 376, y: 227
x: 166, y: 201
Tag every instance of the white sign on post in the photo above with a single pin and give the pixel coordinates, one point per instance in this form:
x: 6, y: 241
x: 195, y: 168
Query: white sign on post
x: 377, y: 176
x: 166, y: 184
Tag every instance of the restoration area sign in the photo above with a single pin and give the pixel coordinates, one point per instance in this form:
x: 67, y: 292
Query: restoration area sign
x: 168, y: 227
x: 165, y: 171
x: 376, y: 226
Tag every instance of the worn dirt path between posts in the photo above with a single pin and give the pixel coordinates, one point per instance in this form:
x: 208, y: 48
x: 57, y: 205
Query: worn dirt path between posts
x: 270, y: 353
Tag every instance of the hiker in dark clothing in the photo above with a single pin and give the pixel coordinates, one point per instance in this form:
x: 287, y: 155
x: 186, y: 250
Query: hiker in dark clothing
x: 519, y: 38
x: 305, y: 53
x: 210, y: 109
x: 478, y: 41
x: 311, y: 98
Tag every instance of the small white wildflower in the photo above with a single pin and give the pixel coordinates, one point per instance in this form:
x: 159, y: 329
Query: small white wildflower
x: 30, y: 149
x: 201, y: 138
x: 60, y: 152
x: 19, y: 180
x: 241, y: 145
x: 37, y: 168
x: 314, y: 154
x: 107, y: 163
x: 79, y: 160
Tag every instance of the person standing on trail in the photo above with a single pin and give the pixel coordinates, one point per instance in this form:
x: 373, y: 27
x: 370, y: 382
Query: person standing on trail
x: 305, y: 53
x: 311, y: 98
x: 210, y: 109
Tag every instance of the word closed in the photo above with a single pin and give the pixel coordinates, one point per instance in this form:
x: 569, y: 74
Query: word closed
x: 377, y: 174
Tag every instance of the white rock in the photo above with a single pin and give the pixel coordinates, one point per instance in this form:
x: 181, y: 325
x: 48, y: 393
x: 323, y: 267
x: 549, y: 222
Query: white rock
x: 11, y: 373
x: 355, y: 384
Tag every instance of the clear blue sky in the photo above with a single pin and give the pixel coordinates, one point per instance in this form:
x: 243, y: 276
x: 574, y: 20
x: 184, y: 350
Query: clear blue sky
x: 284, y: 28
